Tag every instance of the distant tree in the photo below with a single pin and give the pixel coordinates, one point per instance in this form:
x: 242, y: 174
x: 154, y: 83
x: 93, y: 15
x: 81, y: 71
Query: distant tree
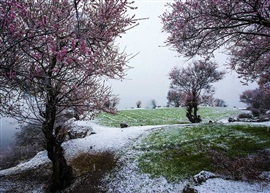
x: 54, y: 58
x: 193, y: 81
x: 176, y: 98
x: 258, y: 100
x: 207, y: 97
x: 241, y: 27
x: 154, y: 104
x: 112, y: 103
x: 139, y: 104
x: 219, y: 103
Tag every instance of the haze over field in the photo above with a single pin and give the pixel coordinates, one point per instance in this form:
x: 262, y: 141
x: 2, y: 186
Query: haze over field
x: 148, y: 79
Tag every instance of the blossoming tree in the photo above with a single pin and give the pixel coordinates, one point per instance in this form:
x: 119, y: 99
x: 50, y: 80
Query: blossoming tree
x: 54, y: 57
x: 257, y: 100
x: 194, y: 82
x: 241, y: 27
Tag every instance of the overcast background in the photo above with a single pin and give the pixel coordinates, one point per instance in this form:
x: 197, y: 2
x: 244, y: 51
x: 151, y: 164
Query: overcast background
x: 148, y: 79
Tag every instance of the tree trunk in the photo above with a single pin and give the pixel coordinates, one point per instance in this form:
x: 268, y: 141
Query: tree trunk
x: 62, y: 173
x: 192, y: 109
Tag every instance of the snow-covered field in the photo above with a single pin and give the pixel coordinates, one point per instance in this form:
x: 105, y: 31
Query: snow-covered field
x: 127, y: 178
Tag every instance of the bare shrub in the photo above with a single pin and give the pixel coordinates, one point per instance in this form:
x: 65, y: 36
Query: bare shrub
x: 241, y: 167
x: 14, y: 155
x: 31, y: 135
x: 244, y: 116
x: 90, y: 168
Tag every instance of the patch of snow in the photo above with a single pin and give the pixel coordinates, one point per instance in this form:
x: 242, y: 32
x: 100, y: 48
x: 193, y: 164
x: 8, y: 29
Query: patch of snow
x: 40, y: 159
x: 223, y: 120
x: 128, y: 179
x: 218, y: 185
x: 105, y: 139
x: 265, y: 175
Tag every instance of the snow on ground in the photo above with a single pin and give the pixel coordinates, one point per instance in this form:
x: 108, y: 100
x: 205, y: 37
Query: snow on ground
x: 40, y: 159
x: 218, y: 185
x: 105, y: 139
x: 126, y: 178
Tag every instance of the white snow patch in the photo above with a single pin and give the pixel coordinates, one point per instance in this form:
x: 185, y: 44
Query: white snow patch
x: 128, y: 179
x: 218, y: 185
x: 40, y: 159
x: 105, y: 139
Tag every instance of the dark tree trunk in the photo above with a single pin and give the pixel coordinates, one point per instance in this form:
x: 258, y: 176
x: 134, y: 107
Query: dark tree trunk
x: 62, y: 173
x: 192, y: 109
x: 177, y: 104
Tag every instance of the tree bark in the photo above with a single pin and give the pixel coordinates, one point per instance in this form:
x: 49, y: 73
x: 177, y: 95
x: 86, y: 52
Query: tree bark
x: 192, y: 109
x: 62, y: 173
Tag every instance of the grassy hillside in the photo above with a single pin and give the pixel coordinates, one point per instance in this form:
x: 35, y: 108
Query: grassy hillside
x: 163, y: 116
x: 236, y: 151
x: 178, y: 152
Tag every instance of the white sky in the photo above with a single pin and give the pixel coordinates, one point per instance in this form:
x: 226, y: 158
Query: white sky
x: 148, y: 79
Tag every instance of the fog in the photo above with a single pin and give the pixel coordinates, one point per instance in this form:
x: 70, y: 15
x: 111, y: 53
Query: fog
x: 148, y: 78
x: 7, y: 131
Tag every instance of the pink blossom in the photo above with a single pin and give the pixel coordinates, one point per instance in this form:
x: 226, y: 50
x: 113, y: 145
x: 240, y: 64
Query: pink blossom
x: 240, y: 27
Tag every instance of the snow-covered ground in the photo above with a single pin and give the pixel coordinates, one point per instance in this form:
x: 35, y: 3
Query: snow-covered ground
x: 126, y: 178
x: 218, y: 185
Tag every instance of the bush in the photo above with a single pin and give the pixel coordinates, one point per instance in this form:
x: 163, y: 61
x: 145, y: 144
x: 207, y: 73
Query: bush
x: 257, y: 100
x: 16, y: 154
x: 241, y: 167
x: 31, y: 135
x: 244, y: 116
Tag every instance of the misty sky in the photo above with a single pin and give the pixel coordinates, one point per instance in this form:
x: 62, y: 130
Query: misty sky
x: 148, y: 79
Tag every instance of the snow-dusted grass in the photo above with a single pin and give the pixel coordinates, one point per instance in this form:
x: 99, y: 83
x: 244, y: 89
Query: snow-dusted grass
x: 128, y: 178
x: 163, y: 116
x: 151, y: 165
x: 178, y: 152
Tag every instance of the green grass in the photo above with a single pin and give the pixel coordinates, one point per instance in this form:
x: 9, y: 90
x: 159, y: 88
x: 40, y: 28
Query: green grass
x: 162, y: 116
x: 181, y: 152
